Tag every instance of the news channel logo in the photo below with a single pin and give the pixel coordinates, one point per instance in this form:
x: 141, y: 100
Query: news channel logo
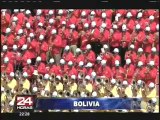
x: 25, y: 102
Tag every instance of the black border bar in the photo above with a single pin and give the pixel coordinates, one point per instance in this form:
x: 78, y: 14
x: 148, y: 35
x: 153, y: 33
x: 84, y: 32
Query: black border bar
x: 81, y: 4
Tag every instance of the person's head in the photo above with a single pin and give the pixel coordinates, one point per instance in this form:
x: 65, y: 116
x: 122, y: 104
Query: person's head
x: 31, y: 35
x: 20, y: 32
x: 86, y: 25
x: 151, y: 64
x: 138, y: 27
x: 16, y: 11
x: 78, y: 51
x: 94, y: 94
x: 58, y: 79
x: 8, y: 31
x: 99, y: 58
x: 11, y: 75
x: 40, y: 25
x: 38, y: 12
x: 50, y: 12
x: 124, y: 27
x: 116, y: 51
x: 81, y: 64
x: 117, y: 63
x: 51, y: 61
x: 140, y: 83
x: 62, y: 62
x: 113, y: 81
x: 103, y: 63
x: 70, y: 63
x: 46, y: 77
x: 28, y: 25
x: 53, y: 32
x: 139, y: 15
x: 6, y: 60
x: 154, y: 50
x: 106, y: 47
x: 25, y: 75
x: 140, y: 64
x: 14, y: 47
x: 14, y: 20
x: 129, y: 15
x: 83, y: 14
x: 128, y: 61
x: 88, y: 47
x: 72, y: 26
x: 89, y: 65
x: 28, y: 13
x: 151, y: 18
x: 140, y: 51
x: 38, y: 59
x: 131, y: 47
x: 87, y: 78
x: 29, y: 61
x: 103, y: 15
x: 93, y: 24
x: 93, y: 75
x: 60, y: 12
x: 67, y: 49
x: 147, y: 29
x: 151, y: 85
x: 73, y: 78
x: 4, y: 48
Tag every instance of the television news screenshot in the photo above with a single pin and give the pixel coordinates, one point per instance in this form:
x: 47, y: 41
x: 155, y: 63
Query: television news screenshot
x: 80, y: 60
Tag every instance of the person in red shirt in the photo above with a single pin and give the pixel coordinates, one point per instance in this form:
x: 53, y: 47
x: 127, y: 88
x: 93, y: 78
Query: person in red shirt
x: 71, y: 69
x: 41, y: 67
x: 89, y: 69
x: 139, y: 73
x: 5, y: 20
x: 53, y: 68
x: 129, y: 70
x: 131, y: 54
x: 150, y: 73
x: 153, y: 57
x: 85, y: 36
x: 116, y: 37
x: 104, y: 34
x: 7, y: 67
x: 68, y: 55
x: 97, y: 66
x: 79, y: 56
x: 29, y: 69
x: 148, y: 42
x: 55, y: 45
x: 141, y: 56
x: 90, y: 55
x: 118, y: 72
x: 95, y: 33
x: 9, y: 38
x: 106, y: 70
x: 116, y: 56
x: 81, y: 70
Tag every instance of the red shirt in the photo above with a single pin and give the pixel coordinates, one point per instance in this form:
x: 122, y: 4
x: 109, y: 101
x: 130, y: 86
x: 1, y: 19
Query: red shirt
x: 116, y: 39
x: 118, y: 73
x: 68, y: 57
x: 91, y: 57
x: 42, y: 69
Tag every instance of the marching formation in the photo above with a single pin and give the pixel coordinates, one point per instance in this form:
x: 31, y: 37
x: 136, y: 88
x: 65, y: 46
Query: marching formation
x: 50, y: 53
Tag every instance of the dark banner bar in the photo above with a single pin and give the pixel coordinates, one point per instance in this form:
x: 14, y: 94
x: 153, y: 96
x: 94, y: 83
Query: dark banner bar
x: 80, y: 4
x: 88, y: 103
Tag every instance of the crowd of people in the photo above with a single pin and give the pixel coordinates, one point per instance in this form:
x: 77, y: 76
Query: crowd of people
x: 50, y: 53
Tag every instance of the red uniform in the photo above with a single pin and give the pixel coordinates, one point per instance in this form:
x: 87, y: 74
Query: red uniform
x: 95, y: 34
x: 55, y: 69
x: 73, y: 71
x: 141, y: 58
x: 11, y: 56
x: 57, y: 44
x: 21, y: 41
x: 105, y: 36
x: 127, y: 39
x: 151, y: 75
x: 131, y: 55
x: 107, y: 72
x: 5, y: 22
x: 118, y: 73
x: 8, y: 68
x: 80, y: 58
x: 129, y: 72
x: 108, y: 57
x: 85, y: 39
x: 148, y: 43
x: 91, y: 57
x: 116, y: 39
x: 155, y: 58
x: 68, y: 57
x: 10, y: 40
x: 139, y: 74
x: 44, y: 49
x: 29, y: 70
x: 116, y: 57
x: 42, y: 69
x: 131, y: 25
